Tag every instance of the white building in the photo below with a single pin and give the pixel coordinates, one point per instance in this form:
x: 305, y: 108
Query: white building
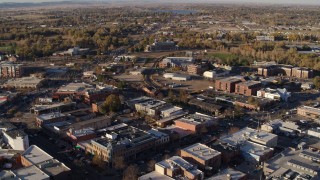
x: 17, y: 139
x: 171, y: 111
x: 215, y: 73
x: 274, y: 94
x: 315, y: 132
x: 31, y: 172
x: 249, y: 134
x: 176, y: 166
x: 177, y: 77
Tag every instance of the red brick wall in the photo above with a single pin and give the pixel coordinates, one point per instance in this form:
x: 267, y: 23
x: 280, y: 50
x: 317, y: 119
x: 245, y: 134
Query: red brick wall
x: 186, y: 126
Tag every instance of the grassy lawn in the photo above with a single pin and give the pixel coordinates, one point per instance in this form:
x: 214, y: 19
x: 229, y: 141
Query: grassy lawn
x: 231, y: 59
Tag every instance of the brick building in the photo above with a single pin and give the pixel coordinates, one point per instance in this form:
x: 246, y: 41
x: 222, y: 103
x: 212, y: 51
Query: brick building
x: 196, y: 69
x: 202, y: 155
x: 196, y: 122
x: 248, y: 88
x: 285, y: 70
x: 9, y: 69
x: 227, y: 84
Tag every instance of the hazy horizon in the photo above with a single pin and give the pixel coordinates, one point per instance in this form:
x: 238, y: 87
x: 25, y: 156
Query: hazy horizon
x: 306, y: 2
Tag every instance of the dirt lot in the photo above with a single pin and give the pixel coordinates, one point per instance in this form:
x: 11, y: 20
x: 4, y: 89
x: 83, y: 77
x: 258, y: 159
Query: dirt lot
x: 191, y: 85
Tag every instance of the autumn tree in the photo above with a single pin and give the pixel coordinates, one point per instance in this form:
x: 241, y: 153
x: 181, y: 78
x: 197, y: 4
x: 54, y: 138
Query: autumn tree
x: 112, y: 104
x: 98, y: 161
x: 151, y: 165
x: 131, y: 173
x: 119, y: 162
x: 316, y: 82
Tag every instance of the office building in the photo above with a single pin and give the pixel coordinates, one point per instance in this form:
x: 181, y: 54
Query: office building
x: 202, y: 155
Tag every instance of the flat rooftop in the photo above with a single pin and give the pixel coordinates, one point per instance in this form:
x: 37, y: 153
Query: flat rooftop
x: 248, y: 134
x: 154, y: 176
x: 255, y: 149
x: 249, y: 83
x: 230, y: 79
x: 310, y: 109
x: 31, y: 173
x: 83, y: 132
x: 201, y: 151
x: 36, y: 155
x: 53, y: 167
x: 157, y: 133
x: 196, y: 118
x: 23, y: 81
x: 176, y: 162
x: 49, y: 116
x: 8, y: 175
x: 289, y: 156
x: 152, y: 103
x: 74, y: 87
x: 52, y: 106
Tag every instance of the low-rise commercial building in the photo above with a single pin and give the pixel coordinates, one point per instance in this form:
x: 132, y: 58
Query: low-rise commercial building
x: 50, y: 118
x: 255, y: 146
x: 37, y: 158
x: 309, y: 112
x: 249, y: 134
x: 120, y: 141
x: 149, y: 106
x: 215, y: 73
x: 17, y: 139
x: 274, y: 94
x: 81, y: 134
x: 181, y: 62
x: 24, y: 83
x: 55, y: 107
x: 176, y: 167
x: 302, y: 163
x: 177, y: 77
x: 315, y: 132
x: 34, y: 155
x: 161, y: 138
x: 55, y: 169
x: 202, y: 155
x: 31, y: 172
x: 196, y: 122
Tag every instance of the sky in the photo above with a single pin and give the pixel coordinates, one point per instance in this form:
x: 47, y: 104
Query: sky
x: 317, y: 2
